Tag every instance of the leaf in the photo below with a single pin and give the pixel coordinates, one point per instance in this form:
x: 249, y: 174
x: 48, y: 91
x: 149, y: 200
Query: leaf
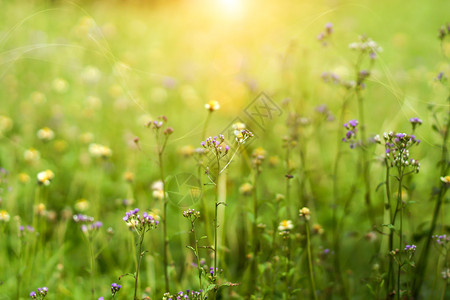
x: 380, y: 185
x: 370, y: 289
x: 203, y: 237
x: 390, y: 226
x: 192, y: 248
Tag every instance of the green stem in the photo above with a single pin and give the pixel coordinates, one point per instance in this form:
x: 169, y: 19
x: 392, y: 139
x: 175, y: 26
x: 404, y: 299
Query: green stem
x: 310, y: 264
x: 91, y: 253
x: 164, y: 219
x: 198, y: 261
x: 400, y: 203
x: 141, y: 254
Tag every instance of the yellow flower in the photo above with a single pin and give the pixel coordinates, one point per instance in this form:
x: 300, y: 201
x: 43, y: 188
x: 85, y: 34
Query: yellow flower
x: 45, y: 134
x: 212, y: 105
x: 40, y: 209
x: 31, y: 155
x: 285, y: 225
x: 246, y: 189
x: 4, y: 216
x: 304, y: 212
x: 317, y: 228
x: 128, y: 176
x: 24, y: 178
x: 45, y: 177
x: 187, y: 151
x: 446, y: 179
x: 82, y: 205
x: 5, y: 124
x: 97, y: 150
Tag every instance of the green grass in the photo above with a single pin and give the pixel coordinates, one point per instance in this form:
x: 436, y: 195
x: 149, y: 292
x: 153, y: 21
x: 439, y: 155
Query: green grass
x: 172, y: 58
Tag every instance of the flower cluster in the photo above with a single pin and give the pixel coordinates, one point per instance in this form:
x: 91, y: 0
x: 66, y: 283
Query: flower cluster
x: 158, y: 124
x: 158, y: 190
x: 191, y: 214
x: 410, y: 248
x: 188, y: 295
x: 41, y: 293
x: 216, y: 145
x: 243, y: 136
x: 23, y: 230
x: 305, y: 213
x: 140, y: 223
x: 397, y: 149
x: 446, y: 180
x: 88, y: 224
x: 45, y: 134
x: 45, y: 177
x: 414, y: 122
x: 442, y: 239
x: 366, y: 45
x: 97, y: 150
x: 285, y: 228
x: 325, y: 35
x: 115, y: 288
x: 350, y: 135
x: 258, y: 156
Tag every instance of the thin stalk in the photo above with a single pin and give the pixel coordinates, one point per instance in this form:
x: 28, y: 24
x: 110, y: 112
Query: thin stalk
x: 141, y: 254
x: 206, y: 125
x: 391, y: 232
x: 164, y: 219
x: 364, y: 161
x: 198, y: 262
x: 399, y: 203
x: 310, y: 265
x: 216, y: 205
x: 91, y: 253
x: 288, y: 184
x: 423, y: 260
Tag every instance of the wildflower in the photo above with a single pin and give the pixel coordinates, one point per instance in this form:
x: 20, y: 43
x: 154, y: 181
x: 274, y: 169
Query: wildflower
x: 6, y: 124
x: 45, y: 134
x: 446, y: 179
x: 212, y: 105
x: 318, y: 229
x: 38, y: 97
x: 158, y: 190
x: 410, y: 248
x: 187, y: 151
x: 397, y: 149
x: 216, y: 144
x: 285, y: 225
x: 4, y: 216
x: 243, y: 135
x: 238, y: 126
x: 86, y: 137
x: 350, y: 136
x: 91, y: 75
x: 41, y: 293
x: 140, y: 223
x: 41, y: 209
x: 246, y: 189
x: 371, y: 236
x: 82, y: 205
x: 45, y: 177
x: 115, y: 288
x: 305, y: 213
x: 128, y: 176
x: 324, y: 36
x: 24, y: 177
x: 31, y: 155
x: 60, y: 85
x: 191, y: 214
x: 97, y: 150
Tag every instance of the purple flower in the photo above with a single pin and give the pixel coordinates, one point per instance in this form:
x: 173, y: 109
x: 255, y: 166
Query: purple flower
x: 415, y: 121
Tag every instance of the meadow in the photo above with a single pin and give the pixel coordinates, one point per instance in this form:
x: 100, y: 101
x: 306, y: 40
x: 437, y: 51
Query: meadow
x: 224, y: 149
